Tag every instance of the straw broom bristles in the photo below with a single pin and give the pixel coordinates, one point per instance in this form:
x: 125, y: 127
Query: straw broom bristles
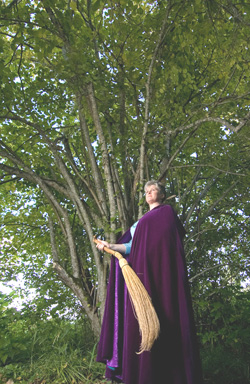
x: 144, y: 311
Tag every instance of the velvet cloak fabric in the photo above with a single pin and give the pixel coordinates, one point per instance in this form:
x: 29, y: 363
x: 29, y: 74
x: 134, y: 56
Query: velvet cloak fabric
x: 157, y: 256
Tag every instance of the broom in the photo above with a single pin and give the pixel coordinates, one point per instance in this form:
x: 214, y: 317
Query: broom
x: 141, y: 302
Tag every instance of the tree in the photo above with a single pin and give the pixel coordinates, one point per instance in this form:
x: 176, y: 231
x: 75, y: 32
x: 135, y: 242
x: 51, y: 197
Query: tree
x: 99, y: 97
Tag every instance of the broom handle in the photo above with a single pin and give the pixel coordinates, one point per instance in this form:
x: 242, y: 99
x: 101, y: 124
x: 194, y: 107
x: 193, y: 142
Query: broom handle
x: 108, y: 250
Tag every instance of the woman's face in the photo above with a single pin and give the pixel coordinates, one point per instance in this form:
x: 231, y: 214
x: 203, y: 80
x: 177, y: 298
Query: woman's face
x: 153, y: 195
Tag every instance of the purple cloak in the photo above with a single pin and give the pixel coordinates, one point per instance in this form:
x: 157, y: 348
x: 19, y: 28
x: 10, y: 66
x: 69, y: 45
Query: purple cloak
x: 157, y: 256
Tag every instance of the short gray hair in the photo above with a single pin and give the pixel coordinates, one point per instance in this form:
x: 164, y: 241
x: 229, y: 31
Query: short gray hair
x: 158, y: 185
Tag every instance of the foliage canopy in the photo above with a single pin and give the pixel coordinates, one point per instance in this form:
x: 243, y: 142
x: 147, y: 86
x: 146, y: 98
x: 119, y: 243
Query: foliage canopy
x: 98, y: 97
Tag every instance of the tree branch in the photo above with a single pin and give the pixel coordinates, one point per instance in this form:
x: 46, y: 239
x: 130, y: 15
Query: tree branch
x: 200, y: 165
x: 172, y: 158
x: 95, y: 170
x: 30, y: 175
x: 105, y: 156
x: 200, y: 196
x: 77, y: 289
x: 218, y: 200
x: 206, y: 270
x: 78, y: 173
x: 55, y: 255
x: 163, y: 32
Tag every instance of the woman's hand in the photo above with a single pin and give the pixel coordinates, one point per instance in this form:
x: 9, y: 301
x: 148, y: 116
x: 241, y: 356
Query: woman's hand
x: 101, y: 244
x: 115, y: 247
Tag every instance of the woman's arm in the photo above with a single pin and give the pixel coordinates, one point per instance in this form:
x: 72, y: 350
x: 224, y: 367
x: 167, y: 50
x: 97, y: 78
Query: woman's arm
x: 115, y: 247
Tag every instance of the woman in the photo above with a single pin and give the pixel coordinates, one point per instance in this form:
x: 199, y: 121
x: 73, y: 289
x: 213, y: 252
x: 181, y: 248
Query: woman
x: 156, y: 254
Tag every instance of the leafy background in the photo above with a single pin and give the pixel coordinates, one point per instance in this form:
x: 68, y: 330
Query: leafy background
x: 96, y: 98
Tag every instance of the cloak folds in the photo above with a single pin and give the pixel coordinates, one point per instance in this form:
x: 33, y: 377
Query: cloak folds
x: 157, y: 256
